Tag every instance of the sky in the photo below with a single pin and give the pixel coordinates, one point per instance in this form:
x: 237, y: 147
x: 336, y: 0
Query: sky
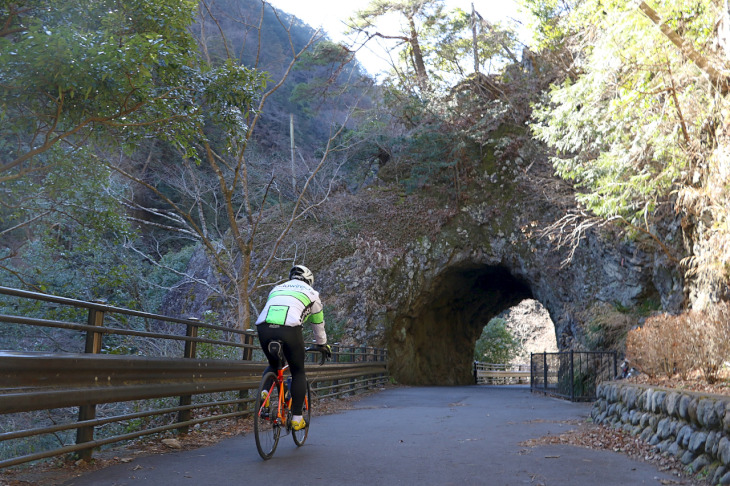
x: 329, y: 15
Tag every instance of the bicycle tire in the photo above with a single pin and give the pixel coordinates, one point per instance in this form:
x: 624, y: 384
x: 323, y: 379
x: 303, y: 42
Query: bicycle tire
x: 300, y: 436
x: 265, y: 425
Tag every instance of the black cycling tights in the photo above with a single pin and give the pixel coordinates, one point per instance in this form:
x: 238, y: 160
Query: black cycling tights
x: 293, y: 344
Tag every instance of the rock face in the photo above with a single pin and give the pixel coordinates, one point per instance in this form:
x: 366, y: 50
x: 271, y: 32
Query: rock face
x: 429, y: 305
x: 531, y: 325
x: 429, y: 299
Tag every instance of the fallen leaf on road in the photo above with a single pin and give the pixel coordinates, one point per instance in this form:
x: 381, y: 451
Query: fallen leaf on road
x: 172, y: 443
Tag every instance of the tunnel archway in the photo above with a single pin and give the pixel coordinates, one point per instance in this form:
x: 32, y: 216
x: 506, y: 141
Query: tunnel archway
x: 432, y: 342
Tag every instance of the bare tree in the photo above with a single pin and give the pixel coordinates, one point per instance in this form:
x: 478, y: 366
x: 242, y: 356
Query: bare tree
x: 228, y: 183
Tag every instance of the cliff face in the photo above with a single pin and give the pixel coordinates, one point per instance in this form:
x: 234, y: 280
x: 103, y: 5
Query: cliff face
x: 429, y: 305
x: 427, y: 293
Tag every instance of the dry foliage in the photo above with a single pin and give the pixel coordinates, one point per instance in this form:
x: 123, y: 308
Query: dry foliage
x: 606, y: 326
x: 602, y: 437
x: 709, y: 336
x: 695, y: 382
x: 669, y: 345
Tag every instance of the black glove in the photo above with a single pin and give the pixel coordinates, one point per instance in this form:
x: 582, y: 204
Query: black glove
x: 325, y: 349
x: 322, y: 348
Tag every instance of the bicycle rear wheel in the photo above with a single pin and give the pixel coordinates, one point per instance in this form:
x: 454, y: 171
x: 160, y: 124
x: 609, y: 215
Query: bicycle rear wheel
x: 266, y: 426
x: 301, y: 435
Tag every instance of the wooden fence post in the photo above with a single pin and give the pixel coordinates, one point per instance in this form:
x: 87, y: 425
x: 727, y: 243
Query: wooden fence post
x: 88, y: 412
x: 190, y: 351
x: 247, y: 355
x: 248, y: 340
x: 335, y: 359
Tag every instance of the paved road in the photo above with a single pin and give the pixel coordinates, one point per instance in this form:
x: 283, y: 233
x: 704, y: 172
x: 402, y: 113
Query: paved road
x: 406, y: 436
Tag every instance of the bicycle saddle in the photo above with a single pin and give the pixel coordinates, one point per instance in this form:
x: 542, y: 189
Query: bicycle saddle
x: 275, y: 348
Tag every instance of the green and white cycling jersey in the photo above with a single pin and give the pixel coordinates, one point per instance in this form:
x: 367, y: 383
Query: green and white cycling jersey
x: 292, y: 304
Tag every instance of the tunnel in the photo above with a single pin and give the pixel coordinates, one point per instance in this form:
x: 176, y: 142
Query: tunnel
x: 432, y: 342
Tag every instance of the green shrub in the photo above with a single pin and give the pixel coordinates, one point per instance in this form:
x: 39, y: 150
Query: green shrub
x: 496, y: 344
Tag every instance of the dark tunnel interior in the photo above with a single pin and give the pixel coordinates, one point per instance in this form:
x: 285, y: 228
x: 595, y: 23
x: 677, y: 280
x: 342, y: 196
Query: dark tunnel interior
x: 433, y: 344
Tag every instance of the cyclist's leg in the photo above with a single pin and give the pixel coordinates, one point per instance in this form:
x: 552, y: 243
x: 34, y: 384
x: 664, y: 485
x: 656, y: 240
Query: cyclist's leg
x: 294, y: 354
x: 268, y: 333
x: 300, y: 435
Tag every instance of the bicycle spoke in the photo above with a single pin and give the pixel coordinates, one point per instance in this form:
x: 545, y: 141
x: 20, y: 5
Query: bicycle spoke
x: 266, y: 427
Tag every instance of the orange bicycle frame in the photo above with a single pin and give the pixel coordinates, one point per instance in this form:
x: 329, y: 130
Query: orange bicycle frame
x: 284, y: 404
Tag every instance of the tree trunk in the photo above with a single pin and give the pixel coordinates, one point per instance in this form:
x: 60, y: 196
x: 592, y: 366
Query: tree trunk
x: 291, y: 138
x: 474, y: 23
x: 717, y: 78
x: 418, y: 63
x: 723, y: 30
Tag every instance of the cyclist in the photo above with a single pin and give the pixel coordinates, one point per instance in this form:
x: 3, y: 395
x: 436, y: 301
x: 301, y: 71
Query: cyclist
x: 289, y: 305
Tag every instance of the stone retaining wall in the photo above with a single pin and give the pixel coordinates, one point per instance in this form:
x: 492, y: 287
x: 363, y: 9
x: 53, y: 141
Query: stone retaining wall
x: 695, y: 427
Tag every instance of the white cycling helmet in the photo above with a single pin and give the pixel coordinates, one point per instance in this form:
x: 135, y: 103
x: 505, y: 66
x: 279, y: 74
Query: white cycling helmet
x: 300, y: 272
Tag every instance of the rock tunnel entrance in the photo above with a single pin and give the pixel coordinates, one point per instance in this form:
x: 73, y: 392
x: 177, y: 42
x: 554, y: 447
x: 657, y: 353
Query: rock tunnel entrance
x: 433, y: 343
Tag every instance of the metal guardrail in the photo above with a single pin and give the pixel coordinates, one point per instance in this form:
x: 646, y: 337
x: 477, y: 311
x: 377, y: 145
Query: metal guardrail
x: 572, y: 374
x: 501, y: 374
x: 87, y: 391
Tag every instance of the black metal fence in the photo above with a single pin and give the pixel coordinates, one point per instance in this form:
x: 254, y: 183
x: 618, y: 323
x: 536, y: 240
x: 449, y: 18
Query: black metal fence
x: 78, y: 375
x: 572, y: 374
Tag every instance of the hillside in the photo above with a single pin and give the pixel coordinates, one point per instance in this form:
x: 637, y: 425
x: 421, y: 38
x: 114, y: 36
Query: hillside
x: 587, y: 172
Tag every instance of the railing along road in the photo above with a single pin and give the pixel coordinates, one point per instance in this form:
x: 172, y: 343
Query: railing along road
x: 85, y: 374
x: 501, y: 374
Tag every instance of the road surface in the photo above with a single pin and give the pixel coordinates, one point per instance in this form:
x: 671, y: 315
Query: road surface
x: 406, y: 436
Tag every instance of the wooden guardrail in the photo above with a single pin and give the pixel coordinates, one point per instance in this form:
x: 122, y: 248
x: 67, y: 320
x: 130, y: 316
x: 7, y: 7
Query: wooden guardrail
x: 501, y: 374
x: 108, y: 398
x: 47, y: 381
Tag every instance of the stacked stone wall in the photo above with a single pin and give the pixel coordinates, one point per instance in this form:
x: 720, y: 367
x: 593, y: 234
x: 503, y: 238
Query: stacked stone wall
x: 694, y: 427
